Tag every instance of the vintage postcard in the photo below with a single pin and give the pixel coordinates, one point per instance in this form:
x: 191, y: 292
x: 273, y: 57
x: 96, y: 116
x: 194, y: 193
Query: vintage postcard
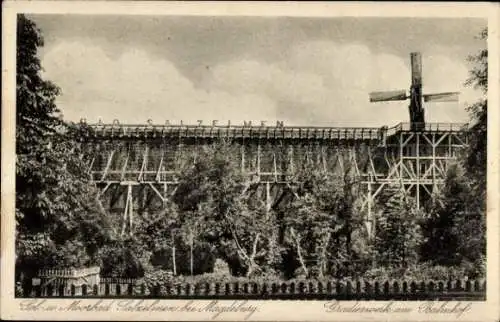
x: 250, y: 161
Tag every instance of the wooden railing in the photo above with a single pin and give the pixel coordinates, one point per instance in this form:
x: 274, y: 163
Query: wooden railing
x: 433, y: 127
x: 233, y: 132
x: 292, y: 290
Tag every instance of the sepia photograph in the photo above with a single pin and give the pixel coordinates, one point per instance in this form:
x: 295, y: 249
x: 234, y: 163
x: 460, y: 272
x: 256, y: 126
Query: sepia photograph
x: 233, y: 158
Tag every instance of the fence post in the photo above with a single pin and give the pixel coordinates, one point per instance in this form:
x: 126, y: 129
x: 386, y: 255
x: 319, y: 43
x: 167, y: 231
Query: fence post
x: 308, y: 288
x: 192, y: 289
x: 440, y: 287
x: 368, y: 288
x: 320, y: 288
x: 477, y: 286
x: 236, y: 288
x: 265, y: 289
x: 423, y: 287
x: 255, y: 288
x: 431, y: 287
x: 78, y: 290
x: 348, y: 289
x: 386, y: 289
x: 292, y: 289
x: 377, y: 289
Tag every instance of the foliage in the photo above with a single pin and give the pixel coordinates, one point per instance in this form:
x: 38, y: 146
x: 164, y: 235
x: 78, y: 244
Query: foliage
x: 217, y: 219
x: 158, y: 278
x: 155, y: 230
x: 456, y: 231
x: 212, y: 192
x: 221, y: 267
x: 124, y: 257
x: 476, y: 157
x: 398, y: 236
x: 322, y: 221
x: 424, y: 271
x: 58, y: 221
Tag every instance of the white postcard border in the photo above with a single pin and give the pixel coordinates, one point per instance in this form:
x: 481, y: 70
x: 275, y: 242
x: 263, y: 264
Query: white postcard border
x: 266, y: 310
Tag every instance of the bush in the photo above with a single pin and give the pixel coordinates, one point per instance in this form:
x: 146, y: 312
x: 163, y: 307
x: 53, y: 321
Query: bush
x: 425, y: 271
x: 158, y: 282
x: 221, y: 268
x: 124, y: 259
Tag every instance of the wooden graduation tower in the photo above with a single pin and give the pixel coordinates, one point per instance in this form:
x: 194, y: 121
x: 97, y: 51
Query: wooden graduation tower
x: 135, y: 166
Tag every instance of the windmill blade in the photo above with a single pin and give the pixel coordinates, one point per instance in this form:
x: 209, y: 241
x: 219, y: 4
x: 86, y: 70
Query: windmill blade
x: 399, y: 95
x: 442, y: 97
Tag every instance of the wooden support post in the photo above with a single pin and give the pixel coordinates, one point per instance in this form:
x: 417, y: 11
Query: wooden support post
x: 370, y: 215
x: 323, y: 159
x: 91, y: 164
x: 242, y: 158
x: 130, y: 209
x: 158, y: 173
x: 258, y: 160
x: 434, y: 164
x: 162, y: 197
x: 108, y: 165
x: 101, y: 192
x: 417, y: 152
x: 402, y: 145
x: 308, y: 157
x: 124, y: 168
x: 144, y: 164
x: 355, y: 161
x: 340, y: 158
x: 268, y: 196
x: 165, y: 189
x: 450, y: 153
x: 291, y: 159
x: 275, y: 169
x: 191, y: 261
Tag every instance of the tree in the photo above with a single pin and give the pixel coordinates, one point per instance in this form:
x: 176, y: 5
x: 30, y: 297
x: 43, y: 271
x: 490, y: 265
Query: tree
x: 476, y: 157
x: 456, y: 230
x: 322, y: 220
x: 399, y: 235
x: 212, y: 192
x: 58, y: 221
x: 471, y: 225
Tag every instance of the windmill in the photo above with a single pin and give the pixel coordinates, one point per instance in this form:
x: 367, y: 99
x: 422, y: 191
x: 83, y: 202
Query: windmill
x: 417, y: 119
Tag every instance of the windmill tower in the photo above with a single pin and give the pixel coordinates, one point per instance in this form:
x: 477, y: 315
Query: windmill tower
x: 416, y: 109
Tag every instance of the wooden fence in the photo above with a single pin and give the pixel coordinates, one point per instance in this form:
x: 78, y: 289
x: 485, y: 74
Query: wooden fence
x: 292, y: 290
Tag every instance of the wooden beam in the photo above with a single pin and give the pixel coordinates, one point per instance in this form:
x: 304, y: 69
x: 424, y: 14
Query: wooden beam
x: 275, y: 170
x: 157, y: 192
x: 124, y: 167
x: 158, y: 173
x: 143, y: 166
x: 108, y: 164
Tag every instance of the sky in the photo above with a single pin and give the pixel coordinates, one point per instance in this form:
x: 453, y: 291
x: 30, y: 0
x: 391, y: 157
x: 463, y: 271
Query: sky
x: 302, y: 71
